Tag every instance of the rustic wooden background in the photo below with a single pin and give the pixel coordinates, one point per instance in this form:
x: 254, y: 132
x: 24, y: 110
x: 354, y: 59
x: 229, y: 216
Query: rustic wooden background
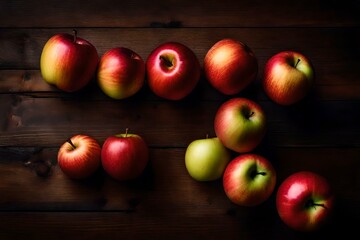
x: 321, y: 133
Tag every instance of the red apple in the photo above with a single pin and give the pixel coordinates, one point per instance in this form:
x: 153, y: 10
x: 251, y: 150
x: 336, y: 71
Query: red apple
x: 240, y: 124
x: 249, y: 180
x: 173, y: 70
x: 121, y: 73
x: 304, y: 201
x: 79, y: 157
x: 68, y: 62
x: 124, y: 156
x: 230, y: 66
x: 288, y: 77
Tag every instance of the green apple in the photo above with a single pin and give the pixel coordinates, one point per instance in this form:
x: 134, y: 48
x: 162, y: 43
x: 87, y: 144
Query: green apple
x: 206, y: 159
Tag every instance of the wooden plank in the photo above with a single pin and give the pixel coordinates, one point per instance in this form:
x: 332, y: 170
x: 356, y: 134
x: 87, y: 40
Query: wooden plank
x: 13, y: 81
x: 169, y: 124
x: 164, y: 201
x: 186, y: 13
x: 56, y: 192
x: 93, y: 225
x: 165, y: 180
x: 31, y: 83
x: 333, y: 51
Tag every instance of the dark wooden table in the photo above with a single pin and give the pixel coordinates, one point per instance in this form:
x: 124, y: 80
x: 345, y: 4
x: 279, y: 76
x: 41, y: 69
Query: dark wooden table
x: 321, y: 133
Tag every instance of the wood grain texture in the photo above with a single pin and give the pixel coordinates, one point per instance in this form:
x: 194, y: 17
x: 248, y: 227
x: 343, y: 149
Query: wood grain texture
x: 164, y: 183
x: 233, y: 224
x: 162, y: 202
x: 335, y: 87
x: 186, y: 13
x: 167, y: 124
x: 320, y: 133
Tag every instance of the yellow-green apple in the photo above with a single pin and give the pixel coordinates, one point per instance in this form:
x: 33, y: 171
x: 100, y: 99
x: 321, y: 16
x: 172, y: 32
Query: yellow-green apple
x: 240, y: 124
x: 121, y: 73
x: 68, y: 62
x: 173, y: 70
x: 249, y: 180
x: 206, y: 159
x: 288, y: 77
x: 230, y: 66
x: 124, y: 156
x: 79, y: 156
x: 304, y: 201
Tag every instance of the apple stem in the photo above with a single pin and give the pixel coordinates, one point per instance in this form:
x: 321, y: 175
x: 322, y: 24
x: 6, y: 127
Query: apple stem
x: 251, y: 114
x: 166, y: 61
x: 297, y: 62
x: 75, y: 35
x: 71, y: 143
x: 207, y: 136
x: 126, y: 132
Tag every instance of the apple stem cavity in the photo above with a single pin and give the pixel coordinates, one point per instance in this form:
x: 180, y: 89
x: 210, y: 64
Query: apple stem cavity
x: 75, y: 35
x: 255, y: 173
x: 167, y: 62
x: 297, y: 62
x: 71, y: 143
x: 311, y: 203
x: 247, y: 112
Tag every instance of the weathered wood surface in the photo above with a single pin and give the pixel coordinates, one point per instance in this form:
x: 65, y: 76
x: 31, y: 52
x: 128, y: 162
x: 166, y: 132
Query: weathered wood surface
x: 186, y: 13
x: 48, y: 121
x: 321, y: 133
